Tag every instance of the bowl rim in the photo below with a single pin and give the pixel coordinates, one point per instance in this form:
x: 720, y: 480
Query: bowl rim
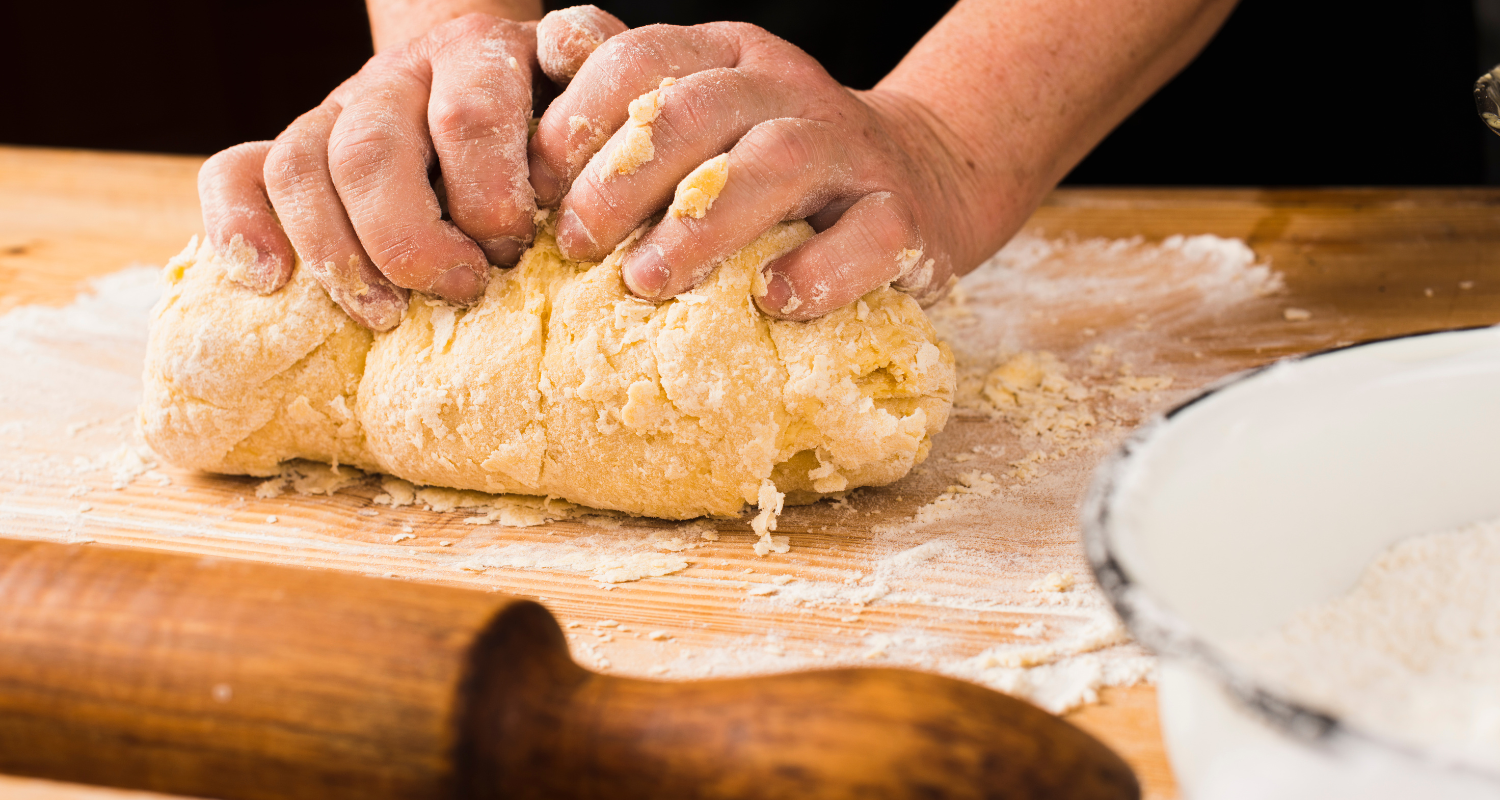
x: 1165, y: 634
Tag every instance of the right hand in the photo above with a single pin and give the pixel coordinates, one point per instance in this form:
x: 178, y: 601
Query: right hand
x: 349, y: 181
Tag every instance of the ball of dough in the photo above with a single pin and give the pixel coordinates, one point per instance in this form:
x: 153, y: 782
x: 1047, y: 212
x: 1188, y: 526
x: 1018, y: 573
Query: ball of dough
x: 558, y: 382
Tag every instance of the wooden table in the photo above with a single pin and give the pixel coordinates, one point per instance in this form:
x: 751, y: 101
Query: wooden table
x: 1365, y: 263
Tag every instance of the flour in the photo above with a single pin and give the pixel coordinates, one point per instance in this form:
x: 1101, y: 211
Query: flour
x: 606, y: 563
x: 965, y: 495
x: 931, y: 573
x: 1412, y: 653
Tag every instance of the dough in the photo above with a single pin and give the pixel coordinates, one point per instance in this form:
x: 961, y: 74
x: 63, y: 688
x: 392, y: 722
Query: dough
x: 557, y: 383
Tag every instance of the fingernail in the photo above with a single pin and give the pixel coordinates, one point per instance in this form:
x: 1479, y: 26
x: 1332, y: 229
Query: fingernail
x: 377, y: 307
x: 544, y: 183
x: 382, y: 308
x: 573, y: 239
x: 247, y: 266
x: 504, y: 251
x: 645, y: 273
x: 778, y: 296
x: 460, y: 285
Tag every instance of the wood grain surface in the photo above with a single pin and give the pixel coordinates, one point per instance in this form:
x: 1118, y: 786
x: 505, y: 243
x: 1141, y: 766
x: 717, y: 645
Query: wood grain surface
x: 1364, y: 263
x: 226, y: 678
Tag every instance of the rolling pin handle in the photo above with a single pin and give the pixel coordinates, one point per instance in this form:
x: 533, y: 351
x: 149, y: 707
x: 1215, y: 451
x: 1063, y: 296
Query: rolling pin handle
x: 540, y: 726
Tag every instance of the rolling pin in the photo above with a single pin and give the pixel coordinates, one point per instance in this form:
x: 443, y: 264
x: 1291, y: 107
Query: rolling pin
x: 244, y: 681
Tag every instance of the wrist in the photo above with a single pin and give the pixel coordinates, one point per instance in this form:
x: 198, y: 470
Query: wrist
x: 395, y: 22
x: 975, y: 194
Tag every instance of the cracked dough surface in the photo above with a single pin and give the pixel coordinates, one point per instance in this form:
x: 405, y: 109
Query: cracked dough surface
x: 558, y: 382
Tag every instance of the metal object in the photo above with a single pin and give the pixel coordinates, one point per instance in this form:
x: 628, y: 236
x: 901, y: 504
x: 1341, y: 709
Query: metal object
x: 1487, y: 99
x: 1269, y: 491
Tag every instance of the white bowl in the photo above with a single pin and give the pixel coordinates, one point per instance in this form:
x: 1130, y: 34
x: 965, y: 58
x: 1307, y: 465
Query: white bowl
x: 1271, y: 492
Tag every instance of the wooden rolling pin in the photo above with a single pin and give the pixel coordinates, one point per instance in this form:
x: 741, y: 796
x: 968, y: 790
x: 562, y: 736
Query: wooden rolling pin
x: 244, y: 681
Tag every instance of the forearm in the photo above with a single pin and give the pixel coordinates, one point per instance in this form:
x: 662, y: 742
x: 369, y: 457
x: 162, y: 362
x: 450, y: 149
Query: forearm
x: 393, y: 22
x: 1018, y: 91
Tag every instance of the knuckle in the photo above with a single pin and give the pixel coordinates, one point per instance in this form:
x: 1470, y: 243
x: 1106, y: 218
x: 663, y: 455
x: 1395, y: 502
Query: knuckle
x: 594, y: 204
x: 464, y: 117
x: 648, y: 48
x: 399, y: 255
x: 236, y: 159
x: 702, y: 104
x: 782, y: 145
x: 219, y: 168
x: 738, y: 30
x: 288, y: 161
x: 358, y: 150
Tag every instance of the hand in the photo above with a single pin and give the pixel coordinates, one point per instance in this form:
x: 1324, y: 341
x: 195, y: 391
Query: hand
x: 349, y: 181
x: 866, y: 169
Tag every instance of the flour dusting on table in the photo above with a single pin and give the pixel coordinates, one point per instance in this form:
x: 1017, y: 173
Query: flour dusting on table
x: 970, y: 566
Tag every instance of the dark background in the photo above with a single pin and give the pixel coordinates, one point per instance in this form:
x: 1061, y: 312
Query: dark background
x: 1289, y: 93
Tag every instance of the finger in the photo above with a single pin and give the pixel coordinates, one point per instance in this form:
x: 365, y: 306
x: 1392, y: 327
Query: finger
x: 304, y: 197
x: 478, y: 113
x: 876, y: 241
x: 378, y: 157
x: 566, y: 37
x: 782, y: 169
x: 668, y: 135
x: 238, y: 218
x: 597, y: 102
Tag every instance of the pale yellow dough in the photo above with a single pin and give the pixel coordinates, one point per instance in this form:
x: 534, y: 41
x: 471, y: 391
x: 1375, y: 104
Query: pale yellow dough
x: 557, y: 383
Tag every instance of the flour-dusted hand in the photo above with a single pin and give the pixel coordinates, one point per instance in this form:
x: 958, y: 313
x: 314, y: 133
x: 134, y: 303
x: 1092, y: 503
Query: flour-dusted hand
x: 865, y: 168
x: 913, y: 182
x: 412, y: 175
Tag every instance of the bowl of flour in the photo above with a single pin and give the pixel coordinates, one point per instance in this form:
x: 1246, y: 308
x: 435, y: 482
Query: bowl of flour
x: 1313, y: 548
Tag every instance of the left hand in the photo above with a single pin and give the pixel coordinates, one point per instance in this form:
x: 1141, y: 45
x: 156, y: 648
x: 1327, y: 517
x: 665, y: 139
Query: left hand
x: 873, y: 172
x: 349, y: 183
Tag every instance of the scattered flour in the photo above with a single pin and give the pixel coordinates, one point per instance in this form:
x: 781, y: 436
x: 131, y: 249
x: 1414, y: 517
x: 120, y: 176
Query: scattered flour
x: 505, y: 510
x: 125, y: 463
x: 1412, y: 653
x: 960, y: 498
x: 605, y: 562
x: 968, y: 544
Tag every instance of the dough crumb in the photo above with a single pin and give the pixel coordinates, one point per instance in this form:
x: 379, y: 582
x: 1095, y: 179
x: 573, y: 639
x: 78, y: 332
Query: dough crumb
x: 1053, y: 582
x: 307, y: 478
x: 1033, y: 392
x: 635, y: 148
x: 698, y: 191
x: 770, y: 502
x: 638, y: 566
x: 1296, y: 314
x: 397, y: 493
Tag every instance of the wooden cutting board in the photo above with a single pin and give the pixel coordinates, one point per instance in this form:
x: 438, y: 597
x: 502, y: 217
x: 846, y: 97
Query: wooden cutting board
x: 1363, y: 263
